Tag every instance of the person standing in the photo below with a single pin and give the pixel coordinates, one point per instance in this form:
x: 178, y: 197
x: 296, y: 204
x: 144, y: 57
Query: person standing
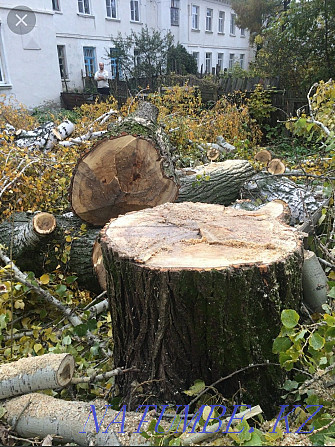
x: 101, y: 76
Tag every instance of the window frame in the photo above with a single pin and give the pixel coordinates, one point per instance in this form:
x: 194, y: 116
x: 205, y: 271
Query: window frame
x: 196, y: 56
x: 174, y: 12
x: 242, y: 60
x: 56, y: 5
x: 4, y: 77
x: 85, y: 6
x: 90, y: 58
x: 195, y: 17
x: 220, y: 57
x: 221, y: 20
x: 231, y: 61
x: 110, y: 7
x: 209, y: 20
x: 208, y: 62
x: 63, y: 64
x: 232, y: 24
x: 242, y: 32
x: 133, y: 11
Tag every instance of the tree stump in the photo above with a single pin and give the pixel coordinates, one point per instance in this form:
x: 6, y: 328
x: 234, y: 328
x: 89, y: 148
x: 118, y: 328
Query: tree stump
x: 196, y: 291
x: 129, y: 171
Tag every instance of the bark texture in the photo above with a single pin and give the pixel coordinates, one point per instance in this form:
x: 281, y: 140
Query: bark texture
x: 39, y: 253
x: 35, y: 373
x: 214, y: 183
x: 196, y: 292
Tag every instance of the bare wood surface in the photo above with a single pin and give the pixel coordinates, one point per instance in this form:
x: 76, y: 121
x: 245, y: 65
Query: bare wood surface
x: 276, y: 166
x: 48, y: 371
x: 263, y: 156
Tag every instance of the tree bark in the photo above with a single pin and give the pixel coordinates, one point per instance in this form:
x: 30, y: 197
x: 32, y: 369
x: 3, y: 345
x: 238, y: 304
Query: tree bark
x: 43, y: 137
x: 315, y: 283
x: 43, y: 250
x: 214, y: 183
x: 196, y: 292
x: 35, y: 373
x: 130, y: 170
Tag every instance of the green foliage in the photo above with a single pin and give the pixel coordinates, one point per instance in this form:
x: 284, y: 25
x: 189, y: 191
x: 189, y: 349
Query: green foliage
x: 260, y: 104
x: 180, y: 61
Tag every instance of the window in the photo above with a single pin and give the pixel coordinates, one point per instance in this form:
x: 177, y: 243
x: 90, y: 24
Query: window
x: 3, y: 73
x: 137, y: 57
x: 242, y: 59
x: 232, y: 24
x: 174, y: 11
x: 55, y: 5
x: 208, y: 63
x: 111, y: 9
x: 209, y: 19
x: 243, y: 32
x: 195, y: 54
x: 84, y: 6
x: 231, y: 60
x: 134, y: 11
x: 115, y: 68
x: 195, y: 17
x: 221, y: 22
x: 89, y: 61
x: 220, y: 61
x: 62, y: 61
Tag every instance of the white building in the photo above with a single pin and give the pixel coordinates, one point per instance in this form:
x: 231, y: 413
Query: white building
x: 70, y: 37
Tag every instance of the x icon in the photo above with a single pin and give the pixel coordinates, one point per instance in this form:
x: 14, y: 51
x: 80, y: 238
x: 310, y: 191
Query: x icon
x: 21, y: 20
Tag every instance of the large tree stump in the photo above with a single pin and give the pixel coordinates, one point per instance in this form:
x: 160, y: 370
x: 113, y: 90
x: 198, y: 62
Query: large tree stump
x: 129, y: 171
x: 196, y: 292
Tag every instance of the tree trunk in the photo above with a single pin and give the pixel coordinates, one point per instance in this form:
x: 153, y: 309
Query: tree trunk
x: 43, y: 137
x: 214, y: 183
x: 129, y: 171
x: 196, y: 292
x: 35, y: 373
x: 70, y: 244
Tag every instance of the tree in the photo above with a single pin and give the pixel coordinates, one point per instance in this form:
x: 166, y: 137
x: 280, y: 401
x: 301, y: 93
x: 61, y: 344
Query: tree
x: 297, y: 44
x: 142, y: 54
x: 180, y: 61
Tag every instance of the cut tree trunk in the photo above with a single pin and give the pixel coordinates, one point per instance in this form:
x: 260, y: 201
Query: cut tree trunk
x: 214, y: 183
x: 130, y: 170
x: 42, y: 241
x: 48, y: 371
x: 196, y: 292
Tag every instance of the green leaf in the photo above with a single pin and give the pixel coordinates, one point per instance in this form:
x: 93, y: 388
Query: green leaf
x: 71, y: 279
x: 281, y: 344
x: 61, y: 289
x: 66, y: 340
x: 290, y: 385
x: 2, y: 411
x: 331, y: 294
x: 289, y: 318
x: 255, y: 439
x: 330, y: 320
x: 196, y: 388
x: 316, y: 341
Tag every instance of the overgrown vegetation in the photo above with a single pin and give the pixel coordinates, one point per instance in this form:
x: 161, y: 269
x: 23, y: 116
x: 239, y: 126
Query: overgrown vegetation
x: 34, y: 180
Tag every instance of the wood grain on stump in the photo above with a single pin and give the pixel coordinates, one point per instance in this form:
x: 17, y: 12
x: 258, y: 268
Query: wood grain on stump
x: 117, y: 176
x: 196, y: 291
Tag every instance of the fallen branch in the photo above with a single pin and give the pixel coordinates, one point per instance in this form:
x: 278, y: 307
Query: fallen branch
x: 47, y: 371
x: 101, y: 377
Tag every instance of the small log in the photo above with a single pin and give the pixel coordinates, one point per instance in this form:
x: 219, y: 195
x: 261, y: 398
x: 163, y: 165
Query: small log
x: 314, y: 282
x: 48, y: 371
x: 39, y: 415
x: 196, y: 291
x: 263, y: 156
x: 35, y: 236
x: 129, y: 171
x: 265, y: 187
x: 214, y: 183
x: 43, y: 137
x: 276, y: 166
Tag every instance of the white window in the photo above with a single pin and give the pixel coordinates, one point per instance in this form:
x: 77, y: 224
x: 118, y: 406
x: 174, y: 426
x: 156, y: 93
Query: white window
x: 220, y: 61
x: 3, y: 73
x: 242, y: 59
x: 111, y: 11
x: 232, y: 24
x: 84, y: 6
x: 174, y: 12
x: 55, y: 5
x: 243, y: 32
x: 195, y: 17
x: 137, y: 57
x: 208, y: 62
x: 221, y: 22
x: 62, y: 61
x: 134, y: 10
x: 195, y: 54
x: 231, y: 60
x: 209, y: 19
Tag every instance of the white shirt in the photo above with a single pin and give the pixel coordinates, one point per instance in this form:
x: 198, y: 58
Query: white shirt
x: 104, y: 82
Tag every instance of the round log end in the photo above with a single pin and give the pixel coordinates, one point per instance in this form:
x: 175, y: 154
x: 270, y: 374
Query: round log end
x: 199, y: 236
x: 276, y: 166
x: 44, y: 223
x: 65, y: 370
x: 213, y: 154
x: 263, y: 156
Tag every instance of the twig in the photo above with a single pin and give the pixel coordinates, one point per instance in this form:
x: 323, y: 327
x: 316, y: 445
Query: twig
x: 316, y: 378
x: 104, y: 376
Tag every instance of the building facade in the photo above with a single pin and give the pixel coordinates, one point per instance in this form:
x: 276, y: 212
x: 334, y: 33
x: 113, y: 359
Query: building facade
x: 70, y: 37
